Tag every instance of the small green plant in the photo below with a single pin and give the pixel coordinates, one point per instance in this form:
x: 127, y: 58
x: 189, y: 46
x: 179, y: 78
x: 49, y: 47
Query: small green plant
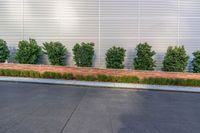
x: 52, y: 75
x: 171, y: 81
x: 34, y: 74
x: 115, y: 58
x: 83, y: 54
x: 160, y: 81
x: 56, y: 52
x: 80, y: 77
x: 144, y: 59
x: 68, y: 76
x: 90, y: 78
x: 105, y: 78
x: 4, y: 51
x: 175, y: 59
x: 29, y: 74
x: 19, y: 73
x: 7, y: 72
x: 86, y: 78
x: 192, y: 82
x: 28, y: 52
x: 127, y: 79
x: 196, y: 62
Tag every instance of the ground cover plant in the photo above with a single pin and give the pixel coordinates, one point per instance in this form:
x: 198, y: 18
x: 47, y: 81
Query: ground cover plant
x: 171, y: 81
x: 19, y: 73
x: 101, y: 77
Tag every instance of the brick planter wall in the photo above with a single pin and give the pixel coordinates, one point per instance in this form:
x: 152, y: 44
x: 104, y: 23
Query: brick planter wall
x: 94, y: 71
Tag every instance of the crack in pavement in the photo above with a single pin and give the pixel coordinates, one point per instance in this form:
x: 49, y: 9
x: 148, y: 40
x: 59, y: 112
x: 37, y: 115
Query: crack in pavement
x: 68, y: 119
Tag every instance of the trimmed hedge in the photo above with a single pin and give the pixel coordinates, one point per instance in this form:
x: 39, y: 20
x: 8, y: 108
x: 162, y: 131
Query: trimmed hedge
x: 144, y: 59
x: 83, y: 54
x: 196, y: 62
x: 28, y: 52
x: 175, y: 59
x: 102, y: 78
x: 115, y: 57
x: 4, y: 51
x: 56, y: 53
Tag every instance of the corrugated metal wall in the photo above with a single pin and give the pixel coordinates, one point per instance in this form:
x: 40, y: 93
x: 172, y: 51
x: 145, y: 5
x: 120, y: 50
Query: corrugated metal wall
x: 107, y: 23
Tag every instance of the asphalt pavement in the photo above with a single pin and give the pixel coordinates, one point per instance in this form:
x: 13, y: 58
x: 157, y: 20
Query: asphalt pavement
x: 42, y: 108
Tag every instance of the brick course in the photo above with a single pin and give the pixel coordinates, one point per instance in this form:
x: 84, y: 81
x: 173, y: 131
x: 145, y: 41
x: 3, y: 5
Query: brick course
x: 94, y: 71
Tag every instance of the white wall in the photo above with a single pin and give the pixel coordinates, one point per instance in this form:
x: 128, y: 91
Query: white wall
x: 107, y: 23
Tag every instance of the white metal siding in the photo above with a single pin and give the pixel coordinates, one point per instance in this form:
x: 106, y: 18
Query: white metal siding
x: 11, y: 26
x: 124, y: 23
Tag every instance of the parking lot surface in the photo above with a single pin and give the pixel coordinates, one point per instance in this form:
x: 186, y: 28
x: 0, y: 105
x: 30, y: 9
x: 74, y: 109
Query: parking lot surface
x: 42, y: 108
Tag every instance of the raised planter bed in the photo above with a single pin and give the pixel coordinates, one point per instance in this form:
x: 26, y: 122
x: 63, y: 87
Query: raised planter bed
x: 102, y: 75
x: 96, y: 71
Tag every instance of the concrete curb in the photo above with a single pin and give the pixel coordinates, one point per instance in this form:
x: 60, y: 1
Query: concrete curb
x: 101, y: 84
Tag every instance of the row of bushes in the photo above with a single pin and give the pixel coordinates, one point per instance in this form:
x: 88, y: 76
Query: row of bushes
x: 101, y: 77
x: 28, y: 52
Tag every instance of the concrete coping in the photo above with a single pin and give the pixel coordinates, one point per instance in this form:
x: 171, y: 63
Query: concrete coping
x: 101, y: 84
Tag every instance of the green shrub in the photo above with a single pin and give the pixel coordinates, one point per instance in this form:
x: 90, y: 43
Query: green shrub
x: 115, y: 57
x: 56, y: 52
x: 68, y: 76
x: 144, y: 59
x: 196, y: 62
x: 53, y: 75
x: 175, y: 60
x: 83, y: 54
x: 28, y: 52
x: 4, y: 51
